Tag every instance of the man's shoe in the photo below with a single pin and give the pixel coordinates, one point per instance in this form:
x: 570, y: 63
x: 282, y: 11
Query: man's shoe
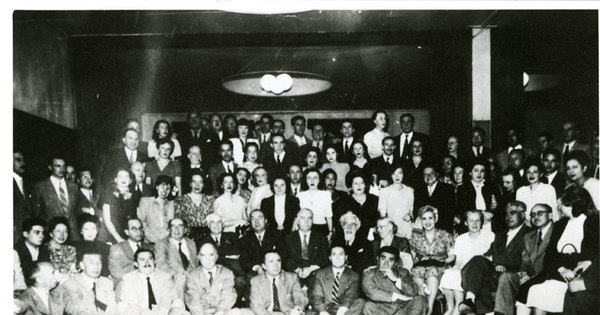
x: 467, y: 306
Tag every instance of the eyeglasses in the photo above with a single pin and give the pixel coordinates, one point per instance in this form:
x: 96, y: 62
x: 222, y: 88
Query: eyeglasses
x: 537, y: 214
x: 513, y: 212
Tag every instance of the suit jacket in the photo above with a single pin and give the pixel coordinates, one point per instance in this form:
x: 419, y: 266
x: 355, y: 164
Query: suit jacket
x: 290, y: 293
x: 486, y: 154
x: 502, y: 156
x: 200, y: 295
x: 292, y: 206
x: 442, y: 198
x: 508, y: 256
x: 383, y: 169
x: 423, y: 138
x: 344, y: 157
x: 22, y: 210
x: 208, y: 143
x: 577, y: 146
x: 320, y: 293
x: 25, y: 258
x: 270, y: 163
x: 378, y: 288
x: 252, y: 252
x: 294, y: 148
x: 132, y: 293
x: 48, y: 206
x: 35, y: 305
x: 79, y: 297
x: 532, y: 259
x: 120, y: 259
x: 216, y: 170
x: 168, y: 258
x: 318, y: 251
x: 559, y: 182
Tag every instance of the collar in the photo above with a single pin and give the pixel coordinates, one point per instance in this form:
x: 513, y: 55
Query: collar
x: 350, y: 240
x: 89, y: 281
x: 432, y: 187
x: 337, y: 270
x: 515, y: 230
x: 281, y: 155
x: 216, y: 236
x: 478, y: 185
x: 176, y: 242
x: 128, y: 152
x: 347, y: 139
x: 273, y: 277
x: 17, y: 177
x: 281, y: 197
x: 56, y: 181
x: 213, y: 270
x: 86, y: 191
x: 133, y: 244
x: 43, y: 294
x: 300, y: 139
x: 410, y: 135
x: 260, y: 235
x: 386, y: 157
x: 545, y: 229
x: 570, y: 144
x: 32, y: 248
x: 230, y: 163
x: 304, y: 233
x: 518, y: 146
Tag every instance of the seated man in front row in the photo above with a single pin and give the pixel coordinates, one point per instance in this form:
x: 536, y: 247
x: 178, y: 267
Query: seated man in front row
x: 389, y: 288
x: 276, y: 291
x: 147, y: 290
x: 209, y: 288
x: 336, y: 289
x: 120, y: 259
x: 41, y: 297
x: 88, y: 292
x: 306, y: 250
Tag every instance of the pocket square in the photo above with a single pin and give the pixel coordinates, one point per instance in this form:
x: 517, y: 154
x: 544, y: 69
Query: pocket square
x: 361, y: 250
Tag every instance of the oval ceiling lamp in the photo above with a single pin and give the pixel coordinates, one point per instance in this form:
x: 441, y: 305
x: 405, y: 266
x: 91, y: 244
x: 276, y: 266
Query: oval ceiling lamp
x: 277, y: 83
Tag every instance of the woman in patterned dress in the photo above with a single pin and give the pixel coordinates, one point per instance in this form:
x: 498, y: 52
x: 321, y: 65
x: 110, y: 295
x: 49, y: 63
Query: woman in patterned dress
x: 194, y: 206
x: 432, y: 251
x: 62, y: 256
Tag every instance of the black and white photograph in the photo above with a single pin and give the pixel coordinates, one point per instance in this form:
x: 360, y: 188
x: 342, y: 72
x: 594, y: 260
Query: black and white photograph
x: 326, y: 159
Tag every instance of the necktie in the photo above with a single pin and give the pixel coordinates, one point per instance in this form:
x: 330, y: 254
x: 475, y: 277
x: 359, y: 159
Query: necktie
x: 151, y: 298
x: 131, y: 159
x: 259, y: 237
x: 210, y: 278
x: 346, y: 146
x: 229, y: 169
x: 295, y: 191
x: 406, y: 147
x: 63, y: 198
x: 387, y: 160
x: 243, y: 145
x: 566, y: 154
x: 20, y: 184
x: 276, y: 306
x: 184, y: 260
x: 99, y: 305
x: 335, y: 289
x: 278, y: 159
x: 90, y: 195
x: 197, y: 134
x: 264, y: 139
x: 305, y: 248
x: 217, y: 241
x: 539, y: 240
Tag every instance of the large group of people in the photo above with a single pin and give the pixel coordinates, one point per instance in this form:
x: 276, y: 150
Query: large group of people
x: 231, y: 217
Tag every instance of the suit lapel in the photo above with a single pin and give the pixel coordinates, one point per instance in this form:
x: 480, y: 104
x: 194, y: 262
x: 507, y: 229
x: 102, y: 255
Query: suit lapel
x: 544, y: 243
x: 128, y: 250
x: 39, y: 304
x: 52, y: 196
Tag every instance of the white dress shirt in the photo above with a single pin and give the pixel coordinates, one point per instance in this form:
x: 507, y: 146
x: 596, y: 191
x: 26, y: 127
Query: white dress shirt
x: 131, y: 155
x: 19, y: 181
x: 44, y: 296
x: 184, y: 247
x: 479, y: 200
x: 403, y: 140
x: 512, y: 233
x: 34, y: 251
x: 518, y: 146
x: 300, y: 140
x: 431, y: 189
x: 225, y: 165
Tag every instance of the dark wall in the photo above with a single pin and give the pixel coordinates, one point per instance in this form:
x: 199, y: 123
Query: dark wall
x: 38, y: 139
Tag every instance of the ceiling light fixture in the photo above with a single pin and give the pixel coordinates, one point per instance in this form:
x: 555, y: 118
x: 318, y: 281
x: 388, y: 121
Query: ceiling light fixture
x: 276, y: 83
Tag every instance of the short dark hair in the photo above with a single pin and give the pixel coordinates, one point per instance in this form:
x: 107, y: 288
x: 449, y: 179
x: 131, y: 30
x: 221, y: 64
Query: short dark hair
x: 279, y: 121
x: 357, y: 173
x: 552, y: 151
x: 87, y: 250
x: 29, y: 223
x: 534, y: 163
x: 192, y: 111
x: 267, y: 116
x: 390, y: 250
x: 579, y: 199
x: 225, y: 141
x: 478, y: 129
x: 546, y: 134
x: 409, y: 115
x: 155, y: 136
x: 329, y: 171
x: 162, y: 141
x: 85, y: 168
x: 86, y: 218
x: 142, y: 250
x: 388, y: 138
x: 297, y: 117
x: 305, y: 174
x: 163, y: 179
x: 270, y: 252
x: 185, y: 224
x: 337, y: 244
x: 243, y: 122
x: 56, y: 156
x: 126, y: 130
x: 277, y: 135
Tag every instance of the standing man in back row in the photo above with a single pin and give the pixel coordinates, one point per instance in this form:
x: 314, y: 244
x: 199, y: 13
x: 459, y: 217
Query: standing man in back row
x: 405, y: 139
x: 206, y: 140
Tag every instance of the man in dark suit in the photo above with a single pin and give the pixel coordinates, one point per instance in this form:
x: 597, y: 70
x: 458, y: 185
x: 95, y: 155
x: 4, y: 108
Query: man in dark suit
x: 265, y: 130
x: 28, y: 248
x: 216, y: 124
x: 225, y: 164
x: 189, y: 164
x: 120, y: 259
x: 508, y: 193
x: 552, y: 175
x: 570, y: 133
x: 40, y: 298
x: 344, y: 147
x: 516, y: 163
x: 480, y: 275
x: 385, y: 164
x: 437, y: 194
x: 405, y: 140
x: 532, y: 259
x: 122, y: 157
x: 22, y: 208
x: 206, y: 140
x: 87, y: 201
x: 289, y: 204
x: 55, y: 196
x: 139, y: 184
x: 306, y: 250
x: 513, y: 139
x: 336, y: 289
x: 477, y: 150
x: 318, y: 141
x: 278, y: 160
x: 143, y: 145
x: 255, y: 244
x: 298, y: 139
